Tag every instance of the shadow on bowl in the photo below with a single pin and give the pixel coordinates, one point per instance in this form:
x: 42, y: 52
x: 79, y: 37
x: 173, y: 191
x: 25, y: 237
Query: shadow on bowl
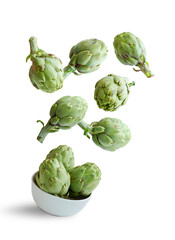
x: 56, y: 205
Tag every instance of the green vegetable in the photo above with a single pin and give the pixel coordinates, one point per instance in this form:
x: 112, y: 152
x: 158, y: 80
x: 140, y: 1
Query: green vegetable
x: 109, y: 133
x: 65, y: 113
x: 63, y: 154
x: 52, y: 177
x: 84, y: 179
x: 111, y: 92
x: 130, y: 50
x: 86, y: 56
x: 46, y: 72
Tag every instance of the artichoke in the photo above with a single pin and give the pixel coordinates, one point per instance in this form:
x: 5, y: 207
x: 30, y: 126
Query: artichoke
x: 109, y: 133
x: 130, y: 50
x: 46, y: 72
x: 52, y: 177
x: 86, y: 56
x: 111, y: 92
x: 65, y: 113
x: 63, y: 154
x: 84, y: 179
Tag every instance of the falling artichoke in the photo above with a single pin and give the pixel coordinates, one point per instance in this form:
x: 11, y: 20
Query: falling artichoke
x: 86, y: 57
x: 52, y: 177
x: 63, y: 154
x: 46, y: 72
x: 111, y: 92
x: 64, y: 114
x: 109, y: 133
x: 130, y: 50
x: 84, y: 179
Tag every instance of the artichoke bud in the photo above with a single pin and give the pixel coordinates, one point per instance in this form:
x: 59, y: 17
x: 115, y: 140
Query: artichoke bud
x: 69, y: 110
x: 84, y: 179
x: 46, y: 72
x: 130, y: 50
x: 90, y: 54
x: 53, y: 177
x: 116, y: 134
x: 63, y: 154
x: 111, y: 92
x: 65, y: 113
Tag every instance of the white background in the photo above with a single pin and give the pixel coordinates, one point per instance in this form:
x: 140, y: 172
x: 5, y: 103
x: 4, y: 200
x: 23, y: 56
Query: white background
x: 136, y: 196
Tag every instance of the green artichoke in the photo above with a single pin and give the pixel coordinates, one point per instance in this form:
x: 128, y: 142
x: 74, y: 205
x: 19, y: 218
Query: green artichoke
x: 52, y: 177
x: 109, y: 133
x: 130, y: 50
x: 63, y: 154
x: 84, y: 179
x: 46, y: 72
x: 86, y: 56
x: 111, y: 92
x: 65, y: 113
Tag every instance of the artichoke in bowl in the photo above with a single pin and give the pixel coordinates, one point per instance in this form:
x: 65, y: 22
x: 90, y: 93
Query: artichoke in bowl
x: 86, y: 56
x: 84, y: 179
x: 46, y: 72
x: 111, y: 92
x: 64, y: 114
x: 130, y: 50
x: 109, y: 133
x: 52, y: 177
x: 63, y: 154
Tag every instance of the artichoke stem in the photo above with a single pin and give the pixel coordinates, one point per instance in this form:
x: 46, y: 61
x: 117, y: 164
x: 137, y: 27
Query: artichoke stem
x: 33, y: 45
x: 144, y: 68
x: 43, y: 133
x: 68, y: 70
x: 131, y: 84
x: 85, y: 127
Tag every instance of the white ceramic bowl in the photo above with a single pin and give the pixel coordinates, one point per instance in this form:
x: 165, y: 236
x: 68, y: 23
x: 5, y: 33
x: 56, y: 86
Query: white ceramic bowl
x: 55, y: 205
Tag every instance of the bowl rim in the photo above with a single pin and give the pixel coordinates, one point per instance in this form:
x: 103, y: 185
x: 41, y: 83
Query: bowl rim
x: 57, y: 197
